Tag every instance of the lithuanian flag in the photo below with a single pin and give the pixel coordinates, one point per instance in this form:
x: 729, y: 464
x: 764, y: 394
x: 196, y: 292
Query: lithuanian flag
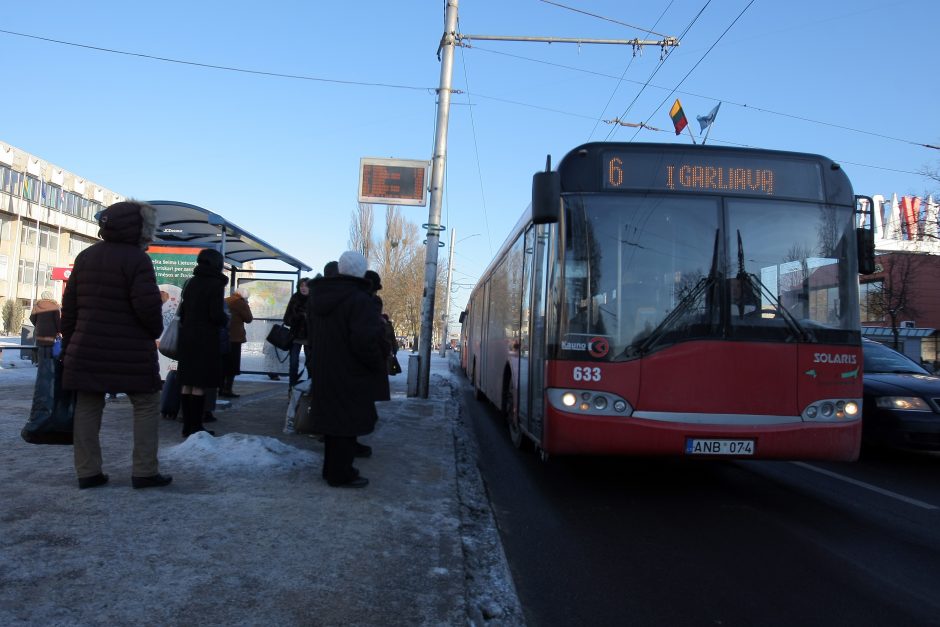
x: 678, y: 117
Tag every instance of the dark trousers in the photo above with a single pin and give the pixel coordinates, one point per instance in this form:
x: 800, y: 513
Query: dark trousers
x: 338, y: 454
x: 295, y: 362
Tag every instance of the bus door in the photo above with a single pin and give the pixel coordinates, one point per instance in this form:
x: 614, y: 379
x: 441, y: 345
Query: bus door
x: 532, y: 353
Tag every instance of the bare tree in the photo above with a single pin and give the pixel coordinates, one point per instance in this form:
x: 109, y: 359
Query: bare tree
x: 893, y: 297
x: 360, y: 230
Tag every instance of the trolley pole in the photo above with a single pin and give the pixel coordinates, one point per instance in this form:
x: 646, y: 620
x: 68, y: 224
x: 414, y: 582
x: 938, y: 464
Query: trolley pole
x: 450, y: 272
x: 434, y: 227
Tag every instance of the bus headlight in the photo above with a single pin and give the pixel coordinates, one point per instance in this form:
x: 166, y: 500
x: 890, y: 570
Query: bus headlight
x: 588, y: 402
x: 832, y: 410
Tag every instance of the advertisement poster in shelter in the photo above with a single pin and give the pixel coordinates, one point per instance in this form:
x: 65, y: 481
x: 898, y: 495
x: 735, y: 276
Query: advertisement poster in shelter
x: 173, y: 266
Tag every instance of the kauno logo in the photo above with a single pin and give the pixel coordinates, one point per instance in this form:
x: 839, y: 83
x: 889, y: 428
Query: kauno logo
x: 834, y: 358
x: 596, y: 347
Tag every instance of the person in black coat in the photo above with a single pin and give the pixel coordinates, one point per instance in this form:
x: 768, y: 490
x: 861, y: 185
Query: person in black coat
x: 295, y: 316
x: 381, y: 392
x: 111, y: 319
x: 345, y: 334
x: 202, y: 319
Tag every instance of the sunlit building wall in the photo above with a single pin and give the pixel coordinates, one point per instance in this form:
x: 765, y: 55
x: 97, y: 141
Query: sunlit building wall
x: 46, y: 219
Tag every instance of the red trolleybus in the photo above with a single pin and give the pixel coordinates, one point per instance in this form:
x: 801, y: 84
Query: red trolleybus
x: 677, y: 300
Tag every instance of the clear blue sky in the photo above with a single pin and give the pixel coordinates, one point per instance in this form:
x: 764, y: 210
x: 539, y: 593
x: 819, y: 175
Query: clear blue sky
x: 280, y: 156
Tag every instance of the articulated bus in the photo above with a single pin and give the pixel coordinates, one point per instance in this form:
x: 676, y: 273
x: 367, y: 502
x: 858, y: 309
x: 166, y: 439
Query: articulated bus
x: 672, y: 300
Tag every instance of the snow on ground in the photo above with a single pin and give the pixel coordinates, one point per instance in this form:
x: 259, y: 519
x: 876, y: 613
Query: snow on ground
x: 247, y: 460
x: 237, y: 453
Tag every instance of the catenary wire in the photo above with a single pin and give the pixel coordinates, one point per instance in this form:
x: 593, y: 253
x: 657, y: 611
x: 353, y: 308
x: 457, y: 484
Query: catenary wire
x: 476, y: 149
x: 692, y: 69
x: 433, y: 89
x: 693, y: 94
x: 219, y: 67
x: 624, y: 73
x: 606, y: 19
x: 659, y: 66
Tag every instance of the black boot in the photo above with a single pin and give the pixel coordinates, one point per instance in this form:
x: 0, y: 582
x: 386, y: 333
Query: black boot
x: 193, y: 408
x: 226, y: 391
x: 199, y: 410
x: 186, y: 409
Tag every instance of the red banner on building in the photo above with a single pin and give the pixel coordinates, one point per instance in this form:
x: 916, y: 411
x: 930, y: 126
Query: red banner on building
x: 910, y: 215
x: 61, y: 273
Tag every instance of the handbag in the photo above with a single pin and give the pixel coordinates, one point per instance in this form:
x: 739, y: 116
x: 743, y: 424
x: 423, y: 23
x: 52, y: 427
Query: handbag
x: 280, y: 337
x: 168, y: 344
x: 53, y: 411
x: 393, y: 366
x: 303, y: 421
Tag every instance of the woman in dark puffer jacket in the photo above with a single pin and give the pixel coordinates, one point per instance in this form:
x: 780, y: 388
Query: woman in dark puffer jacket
x: 111, y: 319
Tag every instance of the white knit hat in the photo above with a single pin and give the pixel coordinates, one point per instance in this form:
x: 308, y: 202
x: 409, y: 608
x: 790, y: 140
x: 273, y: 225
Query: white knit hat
x: 352, y: 263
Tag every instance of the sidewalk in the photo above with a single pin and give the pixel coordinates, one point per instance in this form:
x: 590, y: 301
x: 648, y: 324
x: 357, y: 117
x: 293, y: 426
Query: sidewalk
x: 248, y: 533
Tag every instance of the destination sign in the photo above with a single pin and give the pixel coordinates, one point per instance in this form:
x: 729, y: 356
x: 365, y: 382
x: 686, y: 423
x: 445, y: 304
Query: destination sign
x: 720, y: 174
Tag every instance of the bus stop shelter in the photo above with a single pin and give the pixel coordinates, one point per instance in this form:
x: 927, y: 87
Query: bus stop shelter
x: 185, y: 225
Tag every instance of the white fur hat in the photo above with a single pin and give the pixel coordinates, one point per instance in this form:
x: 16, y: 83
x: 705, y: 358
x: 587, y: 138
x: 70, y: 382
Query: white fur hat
x: 352, y: 263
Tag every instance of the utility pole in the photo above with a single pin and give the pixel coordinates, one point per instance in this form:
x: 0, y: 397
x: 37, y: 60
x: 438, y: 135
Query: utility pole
x: 446, y: 50
x: 450, y: 272
x: 438, y: 163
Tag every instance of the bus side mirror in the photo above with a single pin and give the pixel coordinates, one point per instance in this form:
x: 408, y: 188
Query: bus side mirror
x: 463, y: 316
x: 865, y: 234
x: 865, y: 239
x: 546, y: 196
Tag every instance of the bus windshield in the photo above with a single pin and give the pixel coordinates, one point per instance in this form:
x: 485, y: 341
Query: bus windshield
x: 645, y: 272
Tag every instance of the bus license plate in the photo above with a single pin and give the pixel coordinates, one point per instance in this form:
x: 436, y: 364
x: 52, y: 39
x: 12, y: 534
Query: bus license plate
x: 699, y: 446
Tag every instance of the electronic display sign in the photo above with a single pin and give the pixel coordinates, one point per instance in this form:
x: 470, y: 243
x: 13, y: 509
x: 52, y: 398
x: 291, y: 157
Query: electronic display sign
x: 393, y: 181
x: 720, y: 174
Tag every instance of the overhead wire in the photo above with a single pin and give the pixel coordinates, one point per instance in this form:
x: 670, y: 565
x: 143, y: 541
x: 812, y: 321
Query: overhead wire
x: 710, y: 48
x: 625, y: 70
x: 659, y: 66
x: 211, y: 66
x: 476, y: 150
x: 724, y: 101
x: 483, y: 96
x: 607, y: 19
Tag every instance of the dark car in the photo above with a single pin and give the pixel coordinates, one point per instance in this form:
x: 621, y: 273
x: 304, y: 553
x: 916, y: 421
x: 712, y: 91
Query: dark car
x: 902, y: 401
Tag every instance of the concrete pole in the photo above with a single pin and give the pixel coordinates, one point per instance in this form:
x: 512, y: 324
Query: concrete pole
x: 438, y: 164
x: 450, y: 272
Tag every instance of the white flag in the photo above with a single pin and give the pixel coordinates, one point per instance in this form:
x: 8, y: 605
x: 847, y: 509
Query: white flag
x: 706, y: 120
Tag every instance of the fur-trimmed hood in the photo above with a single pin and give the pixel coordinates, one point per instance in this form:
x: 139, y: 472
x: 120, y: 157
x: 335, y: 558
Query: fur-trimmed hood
x: 128, y: 222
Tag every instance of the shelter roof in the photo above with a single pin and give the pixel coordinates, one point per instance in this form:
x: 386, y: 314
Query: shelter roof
x: 183, y: 224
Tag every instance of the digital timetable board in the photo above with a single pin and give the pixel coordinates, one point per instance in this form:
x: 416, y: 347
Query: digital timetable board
x: 716, y: 173
x: 393, y: 181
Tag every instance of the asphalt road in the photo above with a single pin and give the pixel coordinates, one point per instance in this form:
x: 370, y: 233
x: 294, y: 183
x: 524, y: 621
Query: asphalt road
x: 613, y: 541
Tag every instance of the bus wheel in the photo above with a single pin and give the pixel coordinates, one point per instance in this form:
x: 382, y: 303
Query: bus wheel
x: 515, y: 432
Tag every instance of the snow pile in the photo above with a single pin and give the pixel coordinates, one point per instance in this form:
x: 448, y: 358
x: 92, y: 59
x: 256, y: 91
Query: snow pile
x: 237, y: 451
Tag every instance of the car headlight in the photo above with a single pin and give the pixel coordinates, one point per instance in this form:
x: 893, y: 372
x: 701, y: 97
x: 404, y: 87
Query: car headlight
x: 904, y: 403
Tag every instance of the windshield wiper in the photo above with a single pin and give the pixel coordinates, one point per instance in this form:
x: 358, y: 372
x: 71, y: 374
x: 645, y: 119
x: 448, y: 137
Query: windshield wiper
x: 681, y: 308
x: 750, y: 279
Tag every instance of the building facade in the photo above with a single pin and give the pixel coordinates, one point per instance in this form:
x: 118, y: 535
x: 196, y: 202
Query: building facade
x: 47, y: 217
x: 900, y: 302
